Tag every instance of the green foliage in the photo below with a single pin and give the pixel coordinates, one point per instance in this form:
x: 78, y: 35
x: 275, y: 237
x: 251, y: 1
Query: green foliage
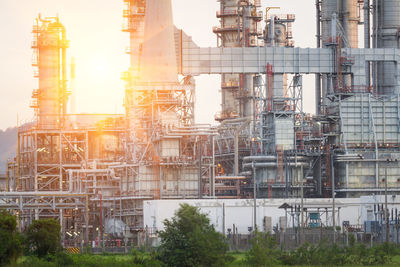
x: 43, y: 237
x: 62, y: 259
x: 307, y: 254
x: 264, y: 250
x: 10, y: 239
x: 324, y: 254
x: 190, y: 240
x: 144, y: 259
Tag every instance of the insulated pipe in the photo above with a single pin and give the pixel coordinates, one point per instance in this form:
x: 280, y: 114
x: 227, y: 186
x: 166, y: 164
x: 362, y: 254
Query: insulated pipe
x: 367, y: 37
x: 272, y: 158
x: 273, y: 165
x: 318, y: 76
x: 259, y: 158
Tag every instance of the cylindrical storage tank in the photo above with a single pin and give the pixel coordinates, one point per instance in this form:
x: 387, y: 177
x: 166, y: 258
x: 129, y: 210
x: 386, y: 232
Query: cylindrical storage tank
x: 386, y: 35
x: 49, y: 77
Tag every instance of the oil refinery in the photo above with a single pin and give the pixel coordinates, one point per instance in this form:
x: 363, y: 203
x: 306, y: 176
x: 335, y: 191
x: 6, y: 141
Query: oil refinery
x: 95, y: 172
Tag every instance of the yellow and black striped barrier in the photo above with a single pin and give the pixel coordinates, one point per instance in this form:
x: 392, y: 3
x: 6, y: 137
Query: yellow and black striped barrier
x: 73, y: 250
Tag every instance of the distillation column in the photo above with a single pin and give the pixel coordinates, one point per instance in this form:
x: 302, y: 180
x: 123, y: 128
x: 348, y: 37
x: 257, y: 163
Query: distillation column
x: 164, y: 147
x: 345, y: 12
x: 239, y: 21
x: 386, y: 35
x: 50, y: 45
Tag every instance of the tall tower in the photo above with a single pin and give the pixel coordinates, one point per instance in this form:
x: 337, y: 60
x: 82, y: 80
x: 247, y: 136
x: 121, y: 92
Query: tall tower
x: 239, y: 28
x: 134, y: 13
x: 50, y: 59
x: 159, y: 108
x: 386, y: 35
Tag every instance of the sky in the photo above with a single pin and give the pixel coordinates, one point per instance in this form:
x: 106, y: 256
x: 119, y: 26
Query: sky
x: 98, y: 46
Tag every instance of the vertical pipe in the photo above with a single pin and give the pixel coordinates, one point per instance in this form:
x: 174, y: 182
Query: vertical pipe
x: 7, y: 175
x: 367, y: 38
x: 375, y: 43
x: 333, y: 198
x: 101, y: 221
x: 223, y: 218
x: 18, y: 156
x: 87, y: 222
x: 318, y: 76
x: 302, y: 202
x: 386, y: 208
x: 212, y: 185
x: 199, y: 183
x: 60, y: 186
x: 35, y: 158
x: 236, y: 154
x: 333, y: 27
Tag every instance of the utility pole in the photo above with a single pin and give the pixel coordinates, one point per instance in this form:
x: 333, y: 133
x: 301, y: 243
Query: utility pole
x: 302, y: 203
x: 386, y: 201
x: 386, y: 205
x: 255, y: 196
x: 333, y: 198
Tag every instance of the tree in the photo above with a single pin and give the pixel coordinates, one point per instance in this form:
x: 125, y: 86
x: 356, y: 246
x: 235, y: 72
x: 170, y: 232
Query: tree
x: 10, y: 239
x: 264, y: 250
x: 190, y: 240
x: 43, y: 237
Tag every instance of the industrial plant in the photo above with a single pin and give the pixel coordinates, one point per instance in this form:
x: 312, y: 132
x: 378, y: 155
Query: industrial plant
x: 97, y: 173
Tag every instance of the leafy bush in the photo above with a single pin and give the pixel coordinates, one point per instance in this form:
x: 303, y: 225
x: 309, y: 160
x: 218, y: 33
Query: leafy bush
x: 43, y: 237
x: 264, y: 251
x: 190, y: 240
x: 323, y: 254
x: 144, y: 259
x: 10, y: 239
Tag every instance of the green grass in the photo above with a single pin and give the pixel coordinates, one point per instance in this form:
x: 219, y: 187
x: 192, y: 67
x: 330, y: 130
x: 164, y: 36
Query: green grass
x: 240, y: 258
x: 127, y: 260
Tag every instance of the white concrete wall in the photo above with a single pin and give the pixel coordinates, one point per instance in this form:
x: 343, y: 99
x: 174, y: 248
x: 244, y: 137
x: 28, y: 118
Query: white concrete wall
x: 240, y: 211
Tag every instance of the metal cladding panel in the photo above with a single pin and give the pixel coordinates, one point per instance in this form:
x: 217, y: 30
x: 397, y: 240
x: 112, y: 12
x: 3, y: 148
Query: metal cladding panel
x: 361, y: 114
x: 388, y: 20
x: 170, y: 148
x: 190, y: 178
x: 284, y: 133
x: 363, y: 174
x: 146, y: 180
x: 255, y: 60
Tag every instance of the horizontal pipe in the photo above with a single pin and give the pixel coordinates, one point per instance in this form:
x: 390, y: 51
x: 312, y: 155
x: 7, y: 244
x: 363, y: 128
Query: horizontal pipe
x: 272, y: 158
x: 273, y: 165
x: 259, y: 158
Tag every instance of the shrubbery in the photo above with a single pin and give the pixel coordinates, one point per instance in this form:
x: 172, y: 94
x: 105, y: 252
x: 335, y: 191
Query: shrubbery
x: 265, y: 252
x: 10, y: 239
x: 190, y: 240
x: 43, y: 237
